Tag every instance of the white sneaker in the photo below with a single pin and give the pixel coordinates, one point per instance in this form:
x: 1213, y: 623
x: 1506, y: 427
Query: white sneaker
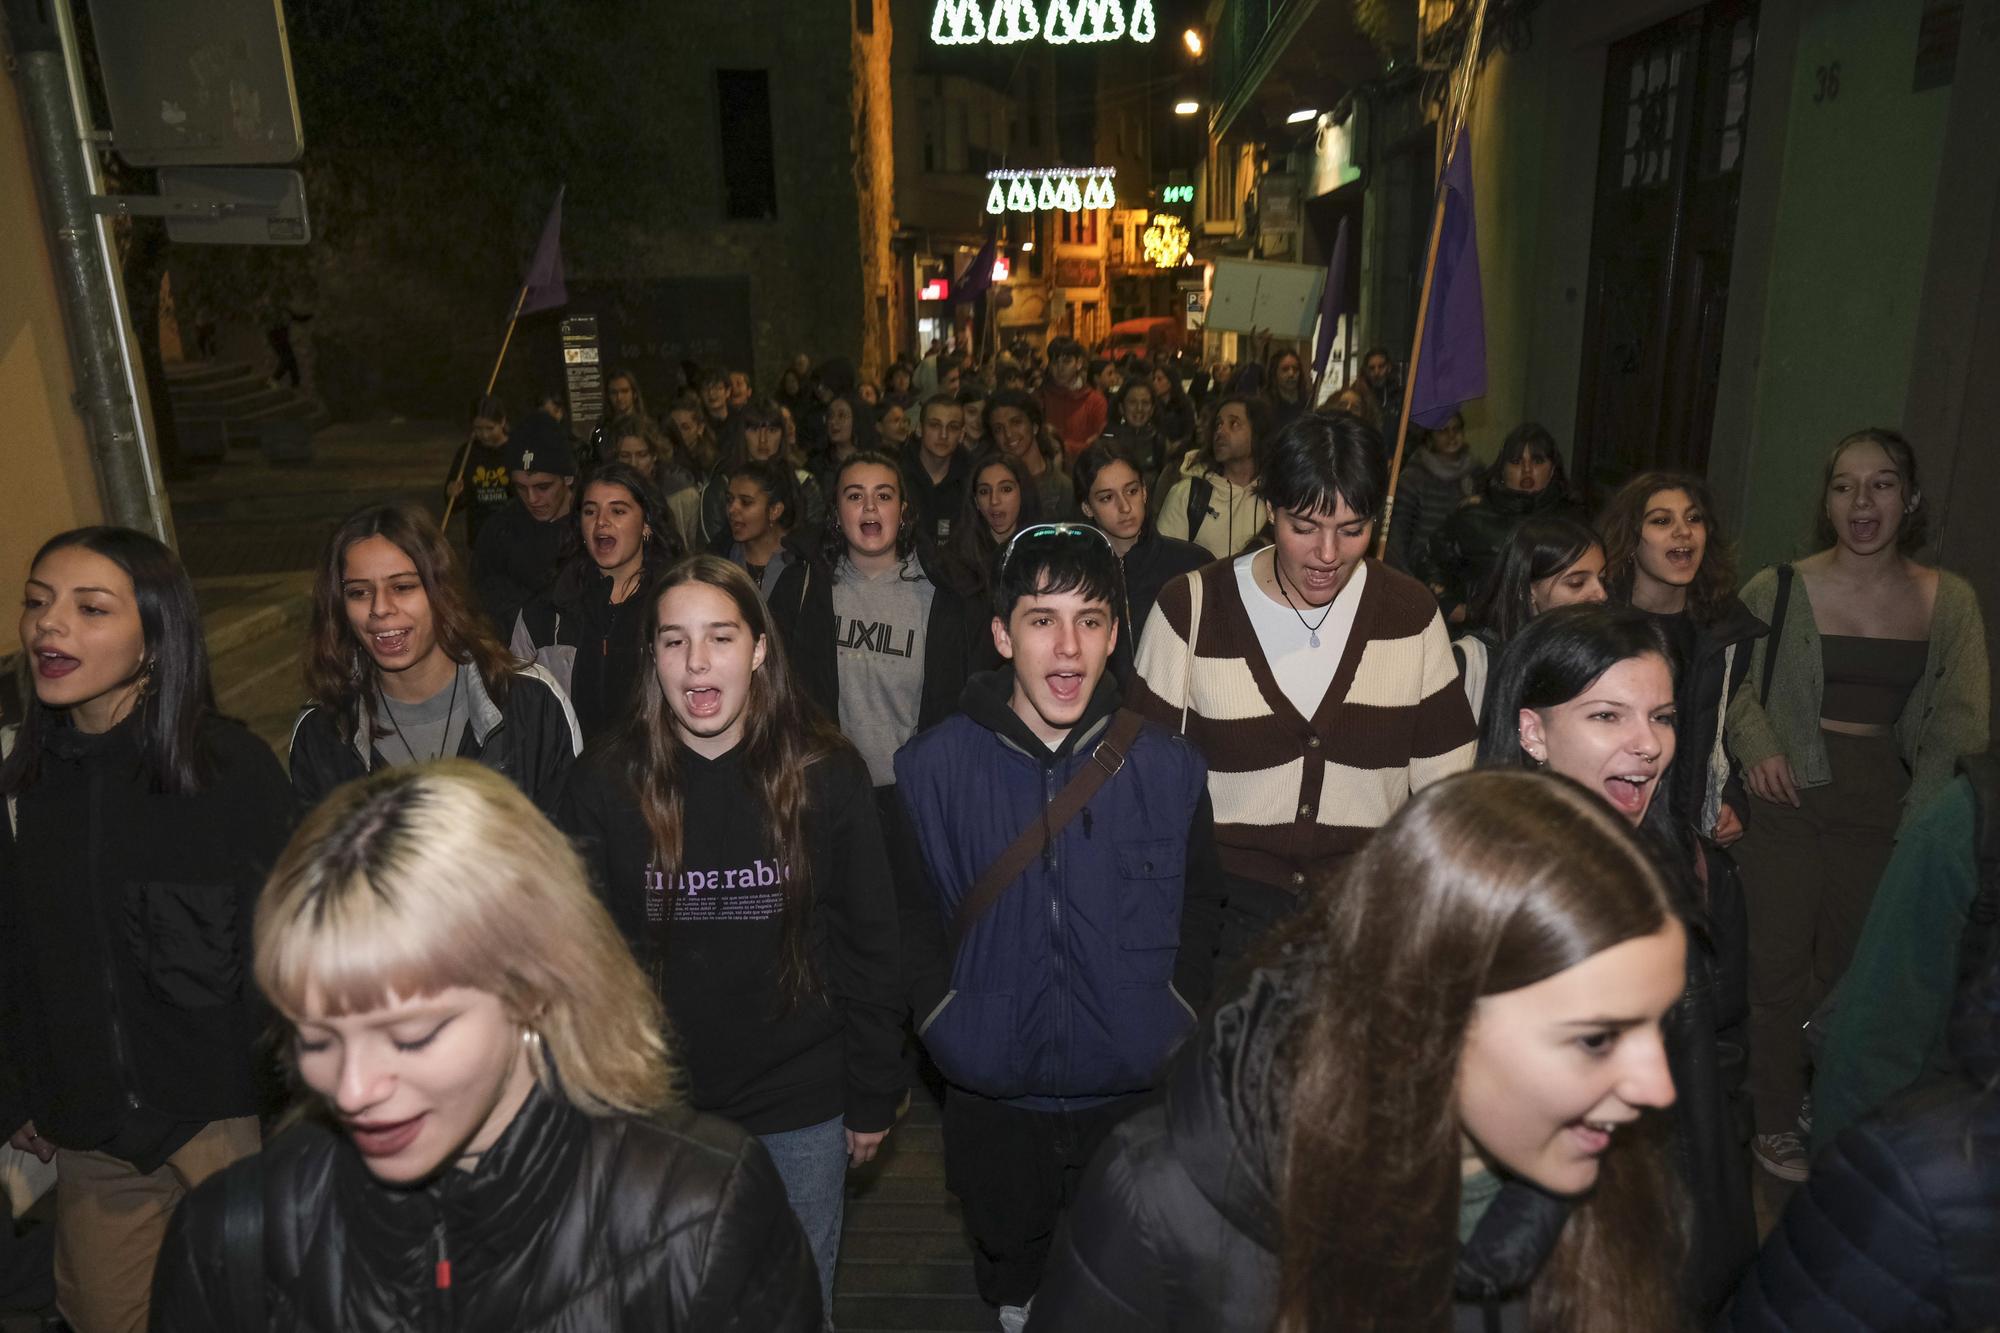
x: 1013, y: 1318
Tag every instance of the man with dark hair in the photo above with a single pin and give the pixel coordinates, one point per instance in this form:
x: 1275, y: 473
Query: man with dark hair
x: 740, y: 389
x: 1318, y: 683
x: 715, y: 402
x: 936, y: 467
x: 1014, y: 426
x: 520, y: 551
x: 1061, y: 907
x: 1074, y: 409
x: 1213, y: 503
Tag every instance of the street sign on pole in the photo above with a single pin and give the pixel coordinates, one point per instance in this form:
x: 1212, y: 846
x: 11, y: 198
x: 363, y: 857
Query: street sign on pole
x: 235, y: 205
x: 198, y: 83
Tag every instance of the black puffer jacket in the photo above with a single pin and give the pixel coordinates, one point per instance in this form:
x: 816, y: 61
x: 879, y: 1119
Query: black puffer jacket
x: 1899, y: 1228
x: 1176, y: 1226
x: 568, y: 1223
x: 532, y: 739
x: 1464, y: 551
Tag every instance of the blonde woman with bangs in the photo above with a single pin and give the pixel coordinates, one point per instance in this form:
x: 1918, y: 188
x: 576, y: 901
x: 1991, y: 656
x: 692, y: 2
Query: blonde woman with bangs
x: 490, y: 1136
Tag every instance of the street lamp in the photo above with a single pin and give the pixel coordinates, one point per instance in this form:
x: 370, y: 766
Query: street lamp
x: 1192, y: 40
x: 1186, y: 107
x: 1302, y: 115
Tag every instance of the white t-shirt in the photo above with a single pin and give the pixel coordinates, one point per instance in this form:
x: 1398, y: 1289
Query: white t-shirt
x: 1303, y: 671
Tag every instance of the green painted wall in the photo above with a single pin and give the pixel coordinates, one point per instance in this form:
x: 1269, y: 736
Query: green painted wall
x: 1511, y: 158
x: 1858, y: 188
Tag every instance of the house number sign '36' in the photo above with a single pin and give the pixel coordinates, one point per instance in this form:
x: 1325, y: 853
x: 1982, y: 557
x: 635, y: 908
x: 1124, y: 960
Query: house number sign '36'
x: 1004, y: 22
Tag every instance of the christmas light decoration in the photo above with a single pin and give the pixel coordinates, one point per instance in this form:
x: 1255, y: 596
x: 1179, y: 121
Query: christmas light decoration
x: 962, y: 23
x: 1015, y: 21
x: 1088, y: 21
x: 957, y: 23
x: 1042, y: 189
x: 1165, y: 242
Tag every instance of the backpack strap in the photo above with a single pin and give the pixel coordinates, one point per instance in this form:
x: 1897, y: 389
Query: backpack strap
x: 1979, y: 947
x: 1785, y: 573
x: 1200, y: 491
x: 243, y: 1241
x: 1104, y: 763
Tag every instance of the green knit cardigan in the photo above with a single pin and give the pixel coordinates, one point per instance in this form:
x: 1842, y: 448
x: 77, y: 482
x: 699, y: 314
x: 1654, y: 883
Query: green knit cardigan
x: 1946, y: 715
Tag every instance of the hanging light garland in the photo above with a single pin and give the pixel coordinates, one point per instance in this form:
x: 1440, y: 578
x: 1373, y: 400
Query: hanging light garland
x: 968, y: 22
x: 1046, y: 189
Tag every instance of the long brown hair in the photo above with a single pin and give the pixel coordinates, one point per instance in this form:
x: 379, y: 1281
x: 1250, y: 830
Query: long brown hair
x: 339, y: 673
x: 782, y: 737
x: 1625, y: 513
x: 1484, y: 883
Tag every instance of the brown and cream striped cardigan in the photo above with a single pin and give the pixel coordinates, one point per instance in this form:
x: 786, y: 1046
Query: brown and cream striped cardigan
x: 1294, y: 795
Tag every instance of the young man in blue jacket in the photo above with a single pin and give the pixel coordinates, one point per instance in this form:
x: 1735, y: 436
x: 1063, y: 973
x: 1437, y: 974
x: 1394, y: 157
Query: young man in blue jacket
x: 1049, y: 998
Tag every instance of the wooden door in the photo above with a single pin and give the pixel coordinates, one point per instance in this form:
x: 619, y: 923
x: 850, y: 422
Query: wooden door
x: 1676, y: 110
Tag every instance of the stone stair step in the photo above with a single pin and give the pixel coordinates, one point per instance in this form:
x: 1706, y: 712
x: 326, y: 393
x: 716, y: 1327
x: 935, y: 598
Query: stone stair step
x: 936, y: 1314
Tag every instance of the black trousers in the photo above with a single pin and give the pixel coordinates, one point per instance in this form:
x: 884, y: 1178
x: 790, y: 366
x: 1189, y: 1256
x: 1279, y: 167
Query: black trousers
x: 1016, y: 1172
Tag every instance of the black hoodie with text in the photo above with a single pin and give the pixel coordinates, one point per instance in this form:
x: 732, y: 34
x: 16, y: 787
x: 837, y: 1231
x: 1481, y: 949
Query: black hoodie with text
x: 713, y: 939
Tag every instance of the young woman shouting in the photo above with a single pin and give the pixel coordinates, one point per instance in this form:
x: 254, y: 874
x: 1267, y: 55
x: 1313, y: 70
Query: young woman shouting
x: 733, y: 835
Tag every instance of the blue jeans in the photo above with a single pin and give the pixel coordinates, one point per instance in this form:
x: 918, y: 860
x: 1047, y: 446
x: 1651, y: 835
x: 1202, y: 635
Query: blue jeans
x: 813, y: 1164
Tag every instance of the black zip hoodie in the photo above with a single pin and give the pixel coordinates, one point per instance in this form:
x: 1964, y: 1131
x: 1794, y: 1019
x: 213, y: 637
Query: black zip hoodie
x: 713, y: 940
x: 126, y: 1001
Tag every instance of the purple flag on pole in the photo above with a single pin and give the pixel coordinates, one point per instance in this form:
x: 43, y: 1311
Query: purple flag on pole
x: 978, y: 276
x: 1333, y: 302
x: 544, y: 284
x: 1452, y: 367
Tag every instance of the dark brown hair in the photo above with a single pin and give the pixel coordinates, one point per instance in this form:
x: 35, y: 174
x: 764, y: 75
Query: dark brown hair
x: 339, y: 673
x: 783, y: 736
x: 834, y: 544
x: 1484, y: 883
x: 1625, y: 514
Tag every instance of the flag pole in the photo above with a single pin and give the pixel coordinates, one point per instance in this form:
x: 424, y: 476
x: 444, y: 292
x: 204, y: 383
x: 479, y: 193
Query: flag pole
x: 492, y: 381
x: 1464, y: 82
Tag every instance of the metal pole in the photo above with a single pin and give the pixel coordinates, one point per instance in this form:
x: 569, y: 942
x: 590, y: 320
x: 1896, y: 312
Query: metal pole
x: 110, y: 382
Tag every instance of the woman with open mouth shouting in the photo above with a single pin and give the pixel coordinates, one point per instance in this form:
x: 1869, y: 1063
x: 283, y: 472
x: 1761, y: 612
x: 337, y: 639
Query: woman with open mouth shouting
x: 142, y: 825
x: 588, y: 629
x: 488, y: 1134
x: 1588, y: 692
x: 1429, y: 1107
x: 880, y: 639
x: 401, y: 668
x: 732, y: 833
x: 1871, y: 685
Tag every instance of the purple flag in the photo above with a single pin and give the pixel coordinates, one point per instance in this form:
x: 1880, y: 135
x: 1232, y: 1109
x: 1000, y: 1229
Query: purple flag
x: 978, y: 276
x: 1452, y: 366
x: 1333, y: 301
x: 543, y: 288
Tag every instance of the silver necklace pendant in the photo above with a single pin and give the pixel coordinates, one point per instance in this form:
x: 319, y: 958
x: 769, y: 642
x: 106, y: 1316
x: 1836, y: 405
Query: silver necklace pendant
x: 1315, y: 638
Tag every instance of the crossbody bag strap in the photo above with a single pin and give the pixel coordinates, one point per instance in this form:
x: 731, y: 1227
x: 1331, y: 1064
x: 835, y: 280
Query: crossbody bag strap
x: 1105, y: 761
x: 1194, y: 633
x: 1777, y: 629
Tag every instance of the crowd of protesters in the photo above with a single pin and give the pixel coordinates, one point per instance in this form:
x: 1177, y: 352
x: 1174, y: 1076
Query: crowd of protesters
x: 1293, y: 938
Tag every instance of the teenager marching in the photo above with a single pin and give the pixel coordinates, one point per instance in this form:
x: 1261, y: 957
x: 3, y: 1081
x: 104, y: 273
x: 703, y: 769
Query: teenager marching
x: 1068, y: 905
x: 143, y: 826
x: 401, y: 668
x: 734, y: 838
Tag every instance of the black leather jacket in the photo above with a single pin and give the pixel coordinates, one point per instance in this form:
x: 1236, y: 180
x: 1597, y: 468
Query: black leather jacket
x: 569, y: 1222
x: 1176, y: 1225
